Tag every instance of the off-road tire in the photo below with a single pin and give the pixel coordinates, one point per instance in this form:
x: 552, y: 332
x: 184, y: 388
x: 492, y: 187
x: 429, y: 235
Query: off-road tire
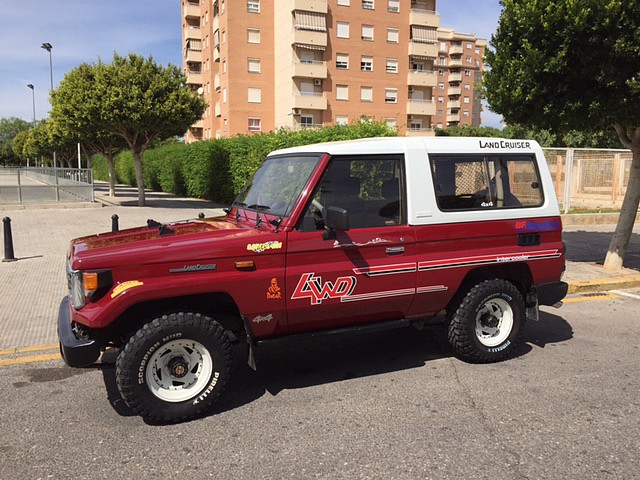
x: 462, y: 328
x: 136, y: 356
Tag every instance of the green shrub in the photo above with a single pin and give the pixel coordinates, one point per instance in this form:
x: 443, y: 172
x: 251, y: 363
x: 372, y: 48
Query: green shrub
x: 218, y: 169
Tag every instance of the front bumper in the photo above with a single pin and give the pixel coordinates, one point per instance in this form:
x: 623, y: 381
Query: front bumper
x: 75, y: 352
x: 551, y: 293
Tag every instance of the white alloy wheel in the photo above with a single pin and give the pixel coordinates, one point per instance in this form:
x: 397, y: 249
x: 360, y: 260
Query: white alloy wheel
x: 494, y: 322
x: 179, y: 370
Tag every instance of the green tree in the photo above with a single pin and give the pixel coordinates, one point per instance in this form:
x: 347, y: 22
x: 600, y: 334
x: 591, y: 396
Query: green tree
x: 9, y: 128
x: 470, y: 131
x: 572, y: 65
x: 38, y: 143
x: 17, y: 145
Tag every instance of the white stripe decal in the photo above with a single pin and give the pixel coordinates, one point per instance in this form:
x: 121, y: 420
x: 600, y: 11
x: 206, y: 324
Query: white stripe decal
x: 374, y: 295
x: 386, y: 269
x: 487, y: 259
x: 434, y: 288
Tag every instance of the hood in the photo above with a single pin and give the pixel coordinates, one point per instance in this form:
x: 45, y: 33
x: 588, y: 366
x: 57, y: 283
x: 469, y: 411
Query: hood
x: 179, y: 241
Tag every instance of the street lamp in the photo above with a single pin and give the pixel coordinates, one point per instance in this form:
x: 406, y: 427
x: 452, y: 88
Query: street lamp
x: 48, y: 47
x: 33, y: 95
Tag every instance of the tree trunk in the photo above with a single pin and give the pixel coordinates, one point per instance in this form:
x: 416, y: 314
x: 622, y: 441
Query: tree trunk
x: 112, y: 175
x: 137, y: 158
x: 626, y: 221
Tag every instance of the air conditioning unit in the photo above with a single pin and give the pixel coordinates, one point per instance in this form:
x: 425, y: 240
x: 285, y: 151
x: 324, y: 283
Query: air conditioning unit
x: 410, y: 89
x: 317, y: 82
x: 296, y: 111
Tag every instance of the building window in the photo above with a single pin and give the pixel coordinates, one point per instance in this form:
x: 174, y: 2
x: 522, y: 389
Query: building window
x: 443, y: 60
x: 469, y: 45
x: 342, y: 29
x: 344, y: 3
x: 223, y: 35
x: 393, y: 6
x: 224, y: 95
x: 441, y: 86
x: 390, y: 95
x: 342, y: 119
x: 224, y: 65
x: 342, y: 61
x: 368, y: 4
x: 392, y: 123
x: 306, y: 121
x: 366, y: 94
x: 441, y: 73
x: 253, y: 65
x: 392, y: 65
x: 253, y: 35
x: 467, y: 86
x: 367, y: 33
x: 468, y: 59
x: 255, y: 95
x: 466, y: 99
x: 467, y: 73
x: 477, y: 51
x: 443, y: 46
x: 366, y: 64
x: 255, y: 124
x: 226, y: 124
x: 223, y: 6
x: 253, y: 6
x: 440, y: 99
x: 440, y: 112
x: 342, y: 92
x: 393, y: 35
x: 440, y: 125
x: 466, y: 113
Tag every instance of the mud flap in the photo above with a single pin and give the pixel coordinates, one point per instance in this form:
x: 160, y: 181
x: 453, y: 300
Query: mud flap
x: 533, y: 313
x: 251, y: 344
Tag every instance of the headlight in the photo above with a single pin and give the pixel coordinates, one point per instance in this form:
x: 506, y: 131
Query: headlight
x: 78, y: 299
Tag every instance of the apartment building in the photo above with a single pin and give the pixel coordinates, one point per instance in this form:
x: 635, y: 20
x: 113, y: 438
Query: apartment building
x: 300, y: 63
x: 459, y: 68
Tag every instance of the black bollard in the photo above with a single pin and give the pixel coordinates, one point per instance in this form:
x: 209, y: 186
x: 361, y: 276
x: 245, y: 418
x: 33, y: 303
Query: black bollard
x: 8, y: 241
x: 114, y: 223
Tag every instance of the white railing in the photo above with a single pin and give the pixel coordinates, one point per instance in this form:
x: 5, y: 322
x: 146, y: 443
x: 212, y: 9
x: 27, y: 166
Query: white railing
x: 308, y: 94
x: 41, y: 185
x: 426, y: 72
x: 420, y: 100
x: 309, y: 62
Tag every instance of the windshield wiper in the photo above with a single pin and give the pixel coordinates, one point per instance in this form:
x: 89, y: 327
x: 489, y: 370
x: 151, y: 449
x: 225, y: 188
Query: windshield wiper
x: 255, y: 206
x: 239, y: 204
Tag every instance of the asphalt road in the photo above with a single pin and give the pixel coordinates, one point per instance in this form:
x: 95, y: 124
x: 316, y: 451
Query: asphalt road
x: 386, y: 405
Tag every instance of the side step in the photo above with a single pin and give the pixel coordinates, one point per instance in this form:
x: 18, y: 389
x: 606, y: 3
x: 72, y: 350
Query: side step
x: 375, y: 327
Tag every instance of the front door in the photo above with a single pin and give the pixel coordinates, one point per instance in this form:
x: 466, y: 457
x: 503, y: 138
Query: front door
x: 365, y: 274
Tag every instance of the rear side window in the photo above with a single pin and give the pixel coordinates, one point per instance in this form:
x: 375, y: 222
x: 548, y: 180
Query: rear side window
x: 479, y: 182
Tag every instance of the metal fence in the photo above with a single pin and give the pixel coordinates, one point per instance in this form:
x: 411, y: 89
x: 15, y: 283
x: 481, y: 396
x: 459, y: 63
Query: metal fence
x: 589, y: 178
x: 45, y: 185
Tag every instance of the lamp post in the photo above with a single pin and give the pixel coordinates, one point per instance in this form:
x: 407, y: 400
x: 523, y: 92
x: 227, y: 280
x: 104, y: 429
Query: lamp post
x: 48, y: 47
x: 33, y: 96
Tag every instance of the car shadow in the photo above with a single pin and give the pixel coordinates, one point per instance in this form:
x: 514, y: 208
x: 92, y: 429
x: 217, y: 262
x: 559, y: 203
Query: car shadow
x: 317, y: 361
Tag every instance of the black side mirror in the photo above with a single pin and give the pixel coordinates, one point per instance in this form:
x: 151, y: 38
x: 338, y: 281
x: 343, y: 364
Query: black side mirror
x: 336, y: 219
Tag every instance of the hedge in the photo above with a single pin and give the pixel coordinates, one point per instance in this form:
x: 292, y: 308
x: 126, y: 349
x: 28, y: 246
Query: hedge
x: 218, y: 169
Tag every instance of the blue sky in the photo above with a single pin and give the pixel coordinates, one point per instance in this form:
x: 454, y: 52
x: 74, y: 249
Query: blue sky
x: 85, y: 30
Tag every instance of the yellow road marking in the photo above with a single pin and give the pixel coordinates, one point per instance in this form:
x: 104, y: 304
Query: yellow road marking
x: 31, y: 359
x: 37, y: 348
x: 588, y: 299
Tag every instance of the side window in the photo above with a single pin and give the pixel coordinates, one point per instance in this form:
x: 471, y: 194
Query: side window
x: 476, y: 182
x: 370, y: 188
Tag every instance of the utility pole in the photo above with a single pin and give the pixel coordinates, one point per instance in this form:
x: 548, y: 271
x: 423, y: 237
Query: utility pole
x: 33, y: 96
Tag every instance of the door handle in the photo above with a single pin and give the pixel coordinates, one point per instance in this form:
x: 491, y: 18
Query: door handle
x: 395, y: 250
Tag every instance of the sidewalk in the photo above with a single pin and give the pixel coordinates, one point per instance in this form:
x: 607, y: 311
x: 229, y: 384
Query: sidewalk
x: 31, y: 288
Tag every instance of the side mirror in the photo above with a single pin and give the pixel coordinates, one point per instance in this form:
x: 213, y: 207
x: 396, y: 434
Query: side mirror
x: 336, y: 218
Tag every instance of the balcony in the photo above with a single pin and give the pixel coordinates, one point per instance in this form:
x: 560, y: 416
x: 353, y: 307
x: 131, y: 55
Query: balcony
x: 424, y: 18
x: 423, y: 49
x: 420, y: 132
x: 192, y: 10
x: 192, y: 33
x: 456, y: 50
x: 310, y: 69
x: 198, y: 124
x: 193, y: 56
x: 422, y: 78
x: 455, y: 77
x: 454, y: 91
x: 309, y: 101
x: 308, y: 37
x: 421, y: 107
x: 453, y: 104
x: 319, y: 6
x: 455, y: 62
x: 453, y: 117
x: 194, y: 77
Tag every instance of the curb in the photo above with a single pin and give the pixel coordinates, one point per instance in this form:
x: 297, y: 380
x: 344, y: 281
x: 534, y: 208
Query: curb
x: 604, y: 284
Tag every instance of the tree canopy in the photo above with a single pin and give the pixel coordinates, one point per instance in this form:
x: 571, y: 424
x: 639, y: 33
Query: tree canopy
x: 133, y: 99
x: 572, y: 65
x: 9, y: 128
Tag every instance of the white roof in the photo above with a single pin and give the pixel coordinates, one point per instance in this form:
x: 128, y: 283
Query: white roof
x: 382, y: 145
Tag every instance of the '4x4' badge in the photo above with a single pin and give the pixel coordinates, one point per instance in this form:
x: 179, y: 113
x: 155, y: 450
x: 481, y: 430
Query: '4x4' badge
x: 315, y: 290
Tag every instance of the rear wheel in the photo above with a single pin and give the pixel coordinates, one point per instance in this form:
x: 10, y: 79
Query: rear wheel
x: 174, y: 367
x: 489, y: 321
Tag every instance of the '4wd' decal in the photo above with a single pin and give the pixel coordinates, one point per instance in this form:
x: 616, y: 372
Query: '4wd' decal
x: 314, y: 289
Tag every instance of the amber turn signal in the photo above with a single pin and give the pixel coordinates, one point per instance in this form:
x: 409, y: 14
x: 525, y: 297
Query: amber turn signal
x: 90, y: 281
x: 245, y: 265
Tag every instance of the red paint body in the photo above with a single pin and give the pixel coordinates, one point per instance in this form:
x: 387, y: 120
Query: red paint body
x: 322, y: 284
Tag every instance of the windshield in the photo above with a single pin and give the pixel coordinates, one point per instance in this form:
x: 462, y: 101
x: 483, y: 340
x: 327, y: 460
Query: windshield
x: 277, y: 184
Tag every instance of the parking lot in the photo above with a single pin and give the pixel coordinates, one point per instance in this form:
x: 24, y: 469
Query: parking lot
x: 385, y: 405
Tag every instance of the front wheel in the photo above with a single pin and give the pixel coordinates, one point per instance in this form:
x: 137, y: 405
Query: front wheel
x: 174, y: 367
x: 489, y: 321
